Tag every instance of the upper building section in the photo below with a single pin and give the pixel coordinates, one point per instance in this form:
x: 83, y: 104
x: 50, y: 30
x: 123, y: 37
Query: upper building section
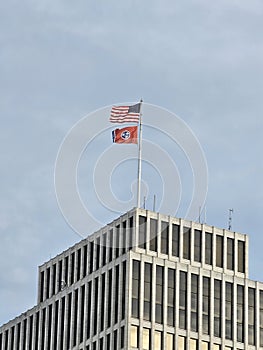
x: 200, y: 245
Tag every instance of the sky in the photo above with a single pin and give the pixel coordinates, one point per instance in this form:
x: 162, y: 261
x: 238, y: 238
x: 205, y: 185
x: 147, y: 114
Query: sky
x: 60, y: 62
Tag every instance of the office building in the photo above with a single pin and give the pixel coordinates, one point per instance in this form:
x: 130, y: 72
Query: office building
x: 145, y: 281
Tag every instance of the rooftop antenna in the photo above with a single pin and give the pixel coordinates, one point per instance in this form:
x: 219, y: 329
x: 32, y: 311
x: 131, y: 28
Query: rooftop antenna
x: 144, y: 202
x: 154, y: 202
x: 230, y: 211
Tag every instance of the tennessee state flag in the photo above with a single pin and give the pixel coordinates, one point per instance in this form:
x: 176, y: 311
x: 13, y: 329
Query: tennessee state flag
x: 125, y: 135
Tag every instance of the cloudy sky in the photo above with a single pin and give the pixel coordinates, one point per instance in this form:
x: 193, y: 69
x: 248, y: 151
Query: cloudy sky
x: 60, y: 61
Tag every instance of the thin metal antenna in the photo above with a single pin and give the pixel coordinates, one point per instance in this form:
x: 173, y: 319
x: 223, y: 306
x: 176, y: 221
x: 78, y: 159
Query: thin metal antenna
x: 154, y: 202
x: 144, y: 202
x: 230, y: 211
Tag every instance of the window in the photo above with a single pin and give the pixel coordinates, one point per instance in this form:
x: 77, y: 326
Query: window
x: 241, y: 256
x: 130, y: 232
x: 205, y: 345
x: 95, y: 304
x: 102, y: 301
x: 97, y: 253
x: 79, y: 264
x: 240, y: 313
x: 186, y: 243
x: 48, y: 284
x: 69, y: 321
x: 182, y: 300
x: 164, y: 237
x: 171, y: 298
x: 123, y: 290
x: 61, y: 324
x: 170, y: 341
x: 261, y: 317
x: 146, y: 343
x: 197, y: 245
x: 206, y: 305
x: 109, y: 298
x: 193, y: 344
x: 158, y: 340
x: 116, y: 293
x: 117, y: 241
x: 135, y: 288
x: 159, y: 295
x: 230, y: 254
x: 251, y: 316
x: 89, y: 292
x: 216, y: 347
x: 124, y: 237
x: 91, y: 254
x: 110, y: 245
x: 229, y: 310
x: 134, y: 336
x: 85, y: 254
x: 194, y: 303
x: 122, y: 337
x: 153, y: 235
x: 142, y: 232
x: 208, y: 248
x: 104, y: 249
x: 175, y: 239
x: 82, y: 308
x: 181, y: 343
x: 147, y: 291
x: 72, y: 268
x: 217, y: 308
x: 219, y: 251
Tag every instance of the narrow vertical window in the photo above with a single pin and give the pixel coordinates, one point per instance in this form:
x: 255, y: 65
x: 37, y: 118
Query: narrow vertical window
x: 97, y: 253
x: 147, y: 291
x: 142, y: 232
x: 182, y: 300
x: 82, y: 314
x: 60, y: 278
x: 89, y: 292
x: 55, y: 326
x: 6, y: 339
x: 130, y: 232
x: 48, y: 283
x: 30, y: 335
x: 69, y: 321
x: 109, y: 341
x: 95, y: 305
x: 230, y: 254
x: 50, y: 312
x: 153, y: 235
x: 186, y: 242
x: 251, y: 316
x: 146, y: 342
x: 43, y: 328
x: 159, y: 295
x: 261, y: 318
x: 197, y: 245
x: 164, y: 237
x: 117, y: 268
x: 217, y: 308
x: 134, y: 336
x: 194, y: 303
x: 158, y: 340
x: 72, y: 268
x: 219, y: 251
x: 18, y: 330
x: 181, y: 343
x: 206, y: 305
x: 171, y: 298
x: 241, y: 256
x: 122, y: 337
x: 110, y: 245
x: 91, y: 256
x: 175, y: 239
x: 240, y: 313
x: 102, y: 300
x: 54, y: 278
x: 135, y: 288
x: 66, y: 279
x: 123, y: 290
x: 229, y: 310
x: 12, y: 338
x: 170, y: 341
x: 208, y: 248
x: 124, y: 237
x: 109, y: 298
x: 117, y: 241
x: 115, y: 339
x: 62, y: 319
x: 42, y: 275
x: 76, y: 316
x: 85, y: 254
x: 104, y: 249
x: 193, y: 344
x: 78, y: 264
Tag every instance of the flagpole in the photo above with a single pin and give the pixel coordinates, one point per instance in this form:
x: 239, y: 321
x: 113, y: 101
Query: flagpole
x: 139, y: 160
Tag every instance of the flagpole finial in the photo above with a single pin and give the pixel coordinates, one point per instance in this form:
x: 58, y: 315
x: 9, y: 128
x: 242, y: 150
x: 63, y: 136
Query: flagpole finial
x: 141, y: 100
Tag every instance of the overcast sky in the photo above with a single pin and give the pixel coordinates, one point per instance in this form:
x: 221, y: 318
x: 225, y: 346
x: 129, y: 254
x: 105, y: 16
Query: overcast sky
x: 59, y: 61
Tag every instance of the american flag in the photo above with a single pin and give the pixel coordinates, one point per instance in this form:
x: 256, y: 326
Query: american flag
x: 125, y: 114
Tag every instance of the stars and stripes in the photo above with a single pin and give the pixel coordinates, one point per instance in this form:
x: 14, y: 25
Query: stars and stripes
x: 125, y: 114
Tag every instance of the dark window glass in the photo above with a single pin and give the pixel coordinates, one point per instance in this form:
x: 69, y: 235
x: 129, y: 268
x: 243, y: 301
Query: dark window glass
x: 102, y: 300
x: 208, y: 248
x: 50, y: 311
x: 116, y: 293
x: 122, y: 337
x: 217, y: 308
x: 109, y: 297
x: 240, y: 313
x: 130, y: 232
x: 164, y: 237
x: 194, y: 303
x: 147, y: 291
x: 182, y: 300
x: 85, y: 255
x: 62, y: 319
x: 12, y: 339
x: 135, y: 288
x: 60, y: 278
x: 206, y: 305
x: 48, y: 284
x: 124, y: 237
x: 82, y: 314
x: 142, y: 232
x: 18, y: 330
x: 97, y: 253
x: 69, y: 320
x: 159, y: 295
x: 186, y: 242
x: 101, y: 343
x: 76, y: 318
x: 110, y: 245
x: 117, y: 241
x: 153, y: 235
x: 6, y: 339
x: 171, y: 298
x: 123, y: 290
x: 241, y: 256
x: 108, y: 342
x: 78, y: 264
x: 197, y: 245
x: 43, y: 328
x: 251, y: 316
x: 42, y: 275
x: 89, y: 292
x: 229, y: 310
x: 104, y: 249
x: 95, y: 305
x: 54, y: 278
x: 30, y: 335
x: 230, y: 254
x: 72, y: 268
x: 261, y: 317
x: 66, y: 279
x: 115, y: 339
x: 175, y: 239
x: 219, y: 251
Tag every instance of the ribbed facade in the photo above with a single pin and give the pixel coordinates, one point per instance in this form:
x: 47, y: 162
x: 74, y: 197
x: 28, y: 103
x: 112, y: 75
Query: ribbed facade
x: 145, y: 281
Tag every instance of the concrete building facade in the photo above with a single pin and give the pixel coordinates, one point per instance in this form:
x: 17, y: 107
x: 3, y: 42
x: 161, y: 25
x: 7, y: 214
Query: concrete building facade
x: 145, y: 281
